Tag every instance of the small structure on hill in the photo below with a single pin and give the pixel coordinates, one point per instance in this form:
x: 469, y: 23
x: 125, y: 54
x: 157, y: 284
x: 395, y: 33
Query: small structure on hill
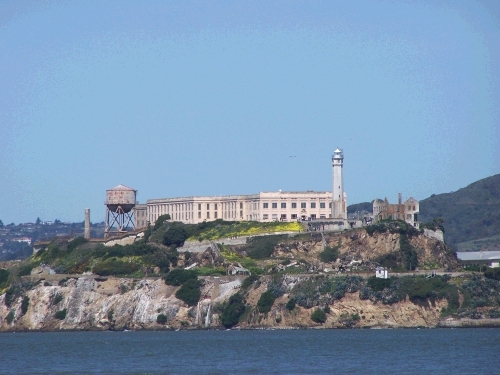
x: 381, y: 273
x: 237, y: 270
x: 407, y: 211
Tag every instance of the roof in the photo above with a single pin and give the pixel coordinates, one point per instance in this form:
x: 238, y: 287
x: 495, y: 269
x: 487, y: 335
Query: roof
x: 122, y: 187
x: 338, y: 150
x: 478, y: 255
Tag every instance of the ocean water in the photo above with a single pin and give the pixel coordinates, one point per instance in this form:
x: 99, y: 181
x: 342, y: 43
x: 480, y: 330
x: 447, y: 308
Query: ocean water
x: 376, y: 351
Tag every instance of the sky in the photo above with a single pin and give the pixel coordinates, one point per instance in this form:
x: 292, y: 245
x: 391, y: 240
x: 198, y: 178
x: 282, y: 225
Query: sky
x: 183, y: 98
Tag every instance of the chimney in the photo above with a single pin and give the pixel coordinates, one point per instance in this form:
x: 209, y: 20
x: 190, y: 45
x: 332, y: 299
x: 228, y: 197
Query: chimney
x: 87, y: 224
x: 400, y: 199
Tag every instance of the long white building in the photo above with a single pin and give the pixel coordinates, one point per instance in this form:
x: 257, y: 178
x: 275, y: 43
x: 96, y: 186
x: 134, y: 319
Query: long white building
x: 264, y: 206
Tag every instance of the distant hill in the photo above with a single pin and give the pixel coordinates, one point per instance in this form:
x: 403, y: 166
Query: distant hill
x: 365, y: 206
x: 471, y: 215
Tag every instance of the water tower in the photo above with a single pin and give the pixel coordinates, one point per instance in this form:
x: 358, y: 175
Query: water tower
x: 120, y: 203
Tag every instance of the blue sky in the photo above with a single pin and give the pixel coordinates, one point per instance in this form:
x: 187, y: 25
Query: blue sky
x: 189, y: 98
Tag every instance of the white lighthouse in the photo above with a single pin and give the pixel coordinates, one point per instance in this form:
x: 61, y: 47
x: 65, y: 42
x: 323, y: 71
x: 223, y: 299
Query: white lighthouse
x: 339, y: 197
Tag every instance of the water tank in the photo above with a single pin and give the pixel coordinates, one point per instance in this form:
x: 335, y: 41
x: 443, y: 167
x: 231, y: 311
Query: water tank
x: 121, y: 196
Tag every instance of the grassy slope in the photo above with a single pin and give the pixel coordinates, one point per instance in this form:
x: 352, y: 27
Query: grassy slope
x: 469, y: 214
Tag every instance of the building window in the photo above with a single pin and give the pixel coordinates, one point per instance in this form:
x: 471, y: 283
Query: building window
x: 322, y: 205
x: 322, y: 216
x: 199, y: 206
x: 208, y: 215
x: 294, y: 216
x: 241, y: 214
x: 216, y: 206
x: 283, y: 205
x: 241, y: 206
x: 265, y: 216
x: 302, y: 205
x: 265, y: 205
x: 275, y: 205
x: 215, y: 215
x: 294, y: 205
x: 313, y: 216
x: 208, y: 206
x: 275, y: 216
x: 330, y: 205
x: 313, y: 204
x: 283, y: 217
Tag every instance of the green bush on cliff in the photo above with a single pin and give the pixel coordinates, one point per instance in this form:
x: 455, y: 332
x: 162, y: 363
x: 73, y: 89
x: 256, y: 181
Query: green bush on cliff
x: 492, y: 273
x: 4, y: 277
x: 115, y: 267
x: 179, y: 276
x: 61, y: 314
x: 290, y: 305
x: 10, y: 317
x: 378, y: 284
x: 318, y: 316
x: 25, y: 304
x: 232, y: 310
x: 189, y: 292
x: 330, y: 254
x: 266, y: 301
x: 161, y: 319
x: 262, y: 247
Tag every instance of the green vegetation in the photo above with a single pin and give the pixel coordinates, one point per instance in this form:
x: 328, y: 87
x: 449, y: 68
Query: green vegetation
x: 435, y: 224
x: 57, y: 298
x: 232, y: 310
x: 176, y: 234
x: 249, y: 281
x: 111, y: 312
x: 78, y: 241
x: 180, y: 276
x: 10, y: 317
x: 189, y: 292
x: 377, y: 284
x: 25, y: 304
x: 409, y: 254
x: 115, y: 267
x: 492, y: 273
x: 160, y: 221
x: 265, y: 302
x: 290, y: 305
x: 4, y: 278
x: 262, y: 247
x: 330, y: 254
x: 161, y: 319
x: 61, y: 314
x: 318, y: 316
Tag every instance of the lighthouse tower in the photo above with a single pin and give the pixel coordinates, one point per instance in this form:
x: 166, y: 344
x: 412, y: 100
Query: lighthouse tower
x: 339, y: 197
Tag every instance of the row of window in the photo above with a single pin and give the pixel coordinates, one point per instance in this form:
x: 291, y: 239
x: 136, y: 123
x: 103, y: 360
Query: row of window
x: 215, y: 206
x: 294, y: 205
x: 292, y: 216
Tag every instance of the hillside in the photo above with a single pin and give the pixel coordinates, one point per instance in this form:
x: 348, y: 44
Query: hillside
x: 471, y: 215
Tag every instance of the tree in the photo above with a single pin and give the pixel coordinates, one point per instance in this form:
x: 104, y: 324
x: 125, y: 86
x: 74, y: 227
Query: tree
x: 233, y: 310
x: 1, y: 223
x: 37, y: 222
x: 318, y: 316
x: 189, y: 292
x: 175, y: 235
x: 159, y: 222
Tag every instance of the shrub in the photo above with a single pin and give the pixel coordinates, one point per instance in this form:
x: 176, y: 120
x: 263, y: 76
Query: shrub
x: 290, y: 305
x: 25, y: 304
x: 318, y: 316
x: 4, y: 276
x: 161, y: 319
x: 492, y: 273
x: 10, y: 317
x: 355, y: 317
x: 72, y: 245
x: 262, y: 247
x: 189, y: 292
x: 24, y: 270
x: 61, y: 314
x: 378, y: 284
x: 10, y: 295
x: 115, y: 267
x: 111, y: 312
x: 63, y: 281
x: 330, y: 254
x: 176, y: 234
x: 266, y: 301
x: 232, y: 310
x: 180, y: 276
x: 159, y: 222
x: 57, y: 298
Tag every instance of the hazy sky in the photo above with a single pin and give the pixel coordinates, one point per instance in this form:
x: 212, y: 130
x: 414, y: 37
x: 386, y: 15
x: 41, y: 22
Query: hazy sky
x: 181, y: 98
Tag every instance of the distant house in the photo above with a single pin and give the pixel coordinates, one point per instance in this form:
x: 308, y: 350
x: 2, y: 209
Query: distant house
x: 23, y: 239
x: 490, y: 258
x: 381, y: 273
x: 237, y: 270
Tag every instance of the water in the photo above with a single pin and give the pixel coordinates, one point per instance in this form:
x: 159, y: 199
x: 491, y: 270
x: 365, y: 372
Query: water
x: 402, y: 351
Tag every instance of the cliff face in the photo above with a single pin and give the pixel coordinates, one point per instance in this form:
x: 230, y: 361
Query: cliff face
x: 358, y: 245
x: 119, y: 304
